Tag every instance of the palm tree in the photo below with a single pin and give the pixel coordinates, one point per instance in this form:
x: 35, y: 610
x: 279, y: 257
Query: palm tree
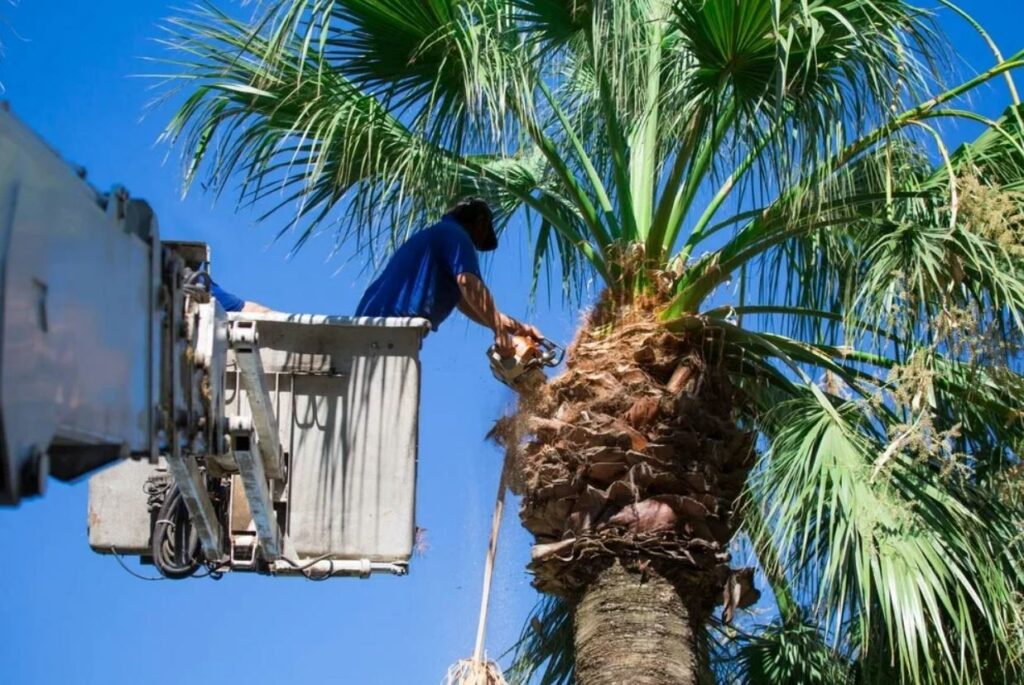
x: 809, y: 314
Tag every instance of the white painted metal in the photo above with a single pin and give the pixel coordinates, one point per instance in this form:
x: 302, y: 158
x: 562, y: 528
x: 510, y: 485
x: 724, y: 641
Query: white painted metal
x: 257, y: 492
x: 322, y: 568
x: 346, y: 395
x: 244, y: 340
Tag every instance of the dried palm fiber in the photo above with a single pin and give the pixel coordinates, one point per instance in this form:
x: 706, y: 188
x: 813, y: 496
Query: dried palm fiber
x: 473, y: 672
x: 632, y: 454
x: 478, y: 670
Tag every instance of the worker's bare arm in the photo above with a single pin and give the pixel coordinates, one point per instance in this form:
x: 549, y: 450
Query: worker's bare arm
x: 255, y: 308
x: 477, y: 298
x: 478, y: 304
x: 471, y: 313
x: 509, y: 323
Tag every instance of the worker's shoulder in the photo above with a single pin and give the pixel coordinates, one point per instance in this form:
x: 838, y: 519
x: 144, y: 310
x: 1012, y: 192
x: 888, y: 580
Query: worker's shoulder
x: 444, y: 233
x: 446, y: 227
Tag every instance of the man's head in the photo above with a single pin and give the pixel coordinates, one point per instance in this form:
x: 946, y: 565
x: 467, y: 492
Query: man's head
x: 476, y: 217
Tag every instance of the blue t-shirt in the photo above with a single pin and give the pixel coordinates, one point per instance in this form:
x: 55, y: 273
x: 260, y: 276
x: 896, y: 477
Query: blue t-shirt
x: 420, y: 280
x: 230, y: 303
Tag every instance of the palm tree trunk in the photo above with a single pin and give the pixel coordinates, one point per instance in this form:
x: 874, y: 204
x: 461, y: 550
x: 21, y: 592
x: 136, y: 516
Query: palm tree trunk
x: 632, y: 457
x: 636, y: 630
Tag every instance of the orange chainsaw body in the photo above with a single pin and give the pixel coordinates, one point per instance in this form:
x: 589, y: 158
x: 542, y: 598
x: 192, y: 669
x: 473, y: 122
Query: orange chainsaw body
x: 524, y: 370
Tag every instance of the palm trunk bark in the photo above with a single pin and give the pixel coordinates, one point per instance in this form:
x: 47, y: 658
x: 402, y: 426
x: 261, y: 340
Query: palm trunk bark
x: 632, y: 459
x: 635, y: 630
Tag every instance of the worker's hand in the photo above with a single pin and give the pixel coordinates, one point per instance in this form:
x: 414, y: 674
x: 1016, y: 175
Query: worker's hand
x: 519, y: 328
x: 531, y: 331
x: 503, y: 342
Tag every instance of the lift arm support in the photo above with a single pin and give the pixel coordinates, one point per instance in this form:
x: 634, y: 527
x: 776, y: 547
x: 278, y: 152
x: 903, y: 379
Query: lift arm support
x: 244, y: 341
x: 254, y: 442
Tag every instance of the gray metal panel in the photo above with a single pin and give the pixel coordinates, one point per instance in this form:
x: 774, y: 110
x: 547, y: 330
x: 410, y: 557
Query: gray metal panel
x: 346, y: 394
x: 77, y: 309
x: 119, y: 518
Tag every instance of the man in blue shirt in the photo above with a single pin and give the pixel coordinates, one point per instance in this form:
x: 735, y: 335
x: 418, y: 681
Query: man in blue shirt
x: 437, y: 271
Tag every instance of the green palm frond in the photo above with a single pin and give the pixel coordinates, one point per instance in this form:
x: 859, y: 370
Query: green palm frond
x: 553, y: 23
x: 928, y: 560
x: 881, y: 497
x: 411, y: 55
x: 308, y: 141
x: 795, y: 149
x: 782, y: 654
x: 813, y: 215
x: 305, y: 138
x: 543, y: 654
x: 780, y: 76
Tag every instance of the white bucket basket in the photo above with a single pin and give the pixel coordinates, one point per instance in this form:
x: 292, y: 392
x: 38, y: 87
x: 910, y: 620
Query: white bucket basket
x: 345, y: 393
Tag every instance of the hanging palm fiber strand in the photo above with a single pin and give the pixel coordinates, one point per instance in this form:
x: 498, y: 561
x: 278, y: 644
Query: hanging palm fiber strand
x: 478, y: 670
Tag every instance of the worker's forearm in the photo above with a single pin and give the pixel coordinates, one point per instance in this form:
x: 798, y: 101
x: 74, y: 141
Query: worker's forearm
x: 477, y: 298
x: 255, y: 308
x: 477, y: 304
x: 472, y: 314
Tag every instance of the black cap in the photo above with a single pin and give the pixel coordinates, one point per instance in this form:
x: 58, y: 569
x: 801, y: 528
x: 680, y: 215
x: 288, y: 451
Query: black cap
x: 468, y: 212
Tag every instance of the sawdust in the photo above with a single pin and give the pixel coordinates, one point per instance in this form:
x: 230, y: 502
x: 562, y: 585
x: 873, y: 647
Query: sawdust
x: 631, y: 454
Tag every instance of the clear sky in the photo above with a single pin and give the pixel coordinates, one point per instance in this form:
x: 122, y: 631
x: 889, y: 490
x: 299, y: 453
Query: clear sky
x: 68, y: 615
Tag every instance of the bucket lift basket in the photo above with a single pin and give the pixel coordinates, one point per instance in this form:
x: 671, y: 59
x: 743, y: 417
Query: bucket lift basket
x: 314, y: 456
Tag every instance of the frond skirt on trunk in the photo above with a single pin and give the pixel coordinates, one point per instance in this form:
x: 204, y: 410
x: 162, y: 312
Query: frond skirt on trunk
x: 632, y: 455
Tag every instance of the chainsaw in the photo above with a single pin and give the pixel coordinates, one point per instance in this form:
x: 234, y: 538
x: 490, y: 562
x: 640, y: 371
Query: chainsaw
x: 524, y: 370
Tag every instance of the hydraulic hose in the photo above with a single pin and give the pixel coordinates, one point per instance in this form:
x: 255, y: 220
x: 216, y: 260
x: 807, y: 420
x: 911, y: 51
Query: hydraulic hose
x: 175, y: 545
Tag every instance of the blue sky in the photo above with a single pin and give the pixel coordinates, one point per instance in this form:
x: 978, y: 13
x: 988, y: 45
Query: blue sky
x: 68, y: 615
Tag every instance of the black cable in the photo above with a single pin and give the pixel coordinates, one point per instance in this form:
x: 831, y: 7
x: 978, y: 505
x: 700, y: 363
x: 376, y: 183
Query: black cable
x: 175, y: 545
x: 120, y: 561
x: 306, y: 569
x: 155, y: 489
